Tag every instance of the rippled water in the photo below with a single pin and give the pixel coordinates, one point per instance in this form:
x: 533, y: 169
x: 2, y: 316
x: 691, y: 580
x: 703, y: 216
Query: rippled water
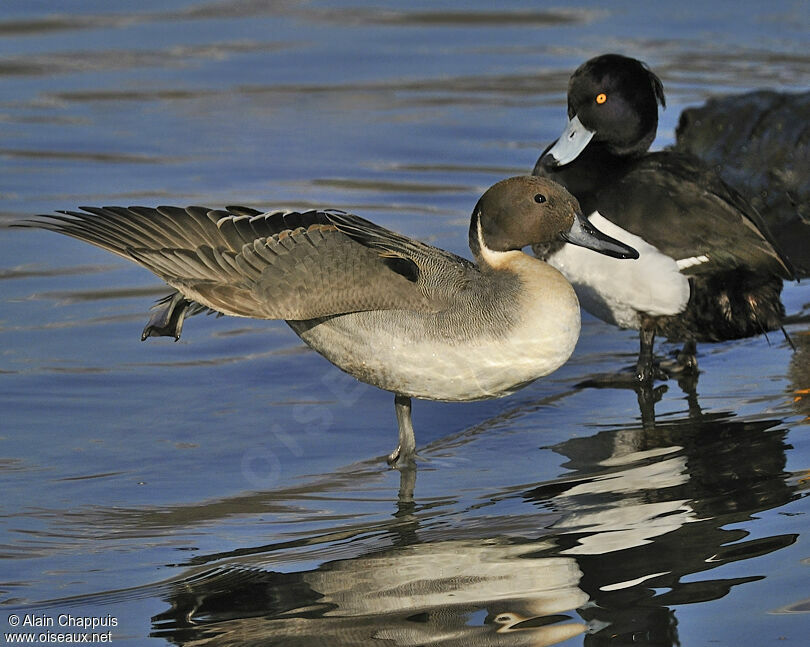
x: 228, y: 489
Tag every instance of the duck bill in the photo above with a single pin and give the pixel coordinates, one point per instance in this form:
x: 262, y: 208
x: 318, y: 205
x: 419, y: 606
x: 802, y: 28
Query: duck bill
x: 571, y: 143
x: 584, y: 234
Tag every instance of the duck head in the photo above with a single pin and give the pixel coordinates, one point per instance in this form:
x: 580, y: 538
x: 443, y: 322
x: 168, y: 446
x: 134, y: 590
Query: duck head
x: 530, y: 210
x: 612, y: 102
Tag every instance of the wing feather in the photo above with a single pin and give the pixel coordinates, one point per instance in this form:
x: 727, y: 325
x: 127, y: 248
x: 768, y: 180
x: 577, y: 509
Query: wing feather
x: 278, y: 265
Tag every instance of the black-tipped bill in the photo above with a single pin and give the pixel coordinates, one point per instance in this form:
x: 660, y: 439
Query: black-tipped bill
x: 571, y: 143
x: 584, y: 234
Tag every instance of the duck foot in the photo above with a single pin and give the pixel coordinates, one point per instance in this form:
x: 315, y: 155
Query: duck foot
x: 647, y: 369
x: 631, y: 377
x: 405, y: 453
x: 684, y: 363
x: 167, y: 317
x: 648, y: 372
x: 393, y: 458
x: 398, y: 461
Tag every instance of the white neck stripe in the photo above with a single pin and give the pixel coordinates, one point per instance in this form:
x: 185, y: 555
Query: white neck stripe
x: 491, y: 256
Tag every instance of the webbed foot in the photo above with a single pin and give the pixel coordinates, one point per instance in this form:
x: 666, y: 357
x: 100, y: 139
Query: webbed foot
x: 405, y: 453
x: 631, y: 377
x: 167, y: 318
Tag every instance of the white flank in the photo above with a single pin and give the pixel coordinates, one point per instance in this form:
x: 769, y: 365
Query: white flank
x: 617, y: 290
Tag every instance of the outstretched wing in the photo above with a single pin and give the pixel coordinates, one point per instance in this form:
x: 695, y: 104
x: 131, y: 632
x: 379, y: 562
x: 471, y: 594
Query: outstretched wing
x: 280, y: 265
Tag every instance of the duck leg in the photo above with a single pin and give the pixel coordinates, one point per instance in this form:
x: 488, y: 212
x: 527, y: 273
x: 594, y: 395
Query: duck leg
x: 684, y: 367
x: 645, y: 369
x: 687, y: 358
x: 406, y: 450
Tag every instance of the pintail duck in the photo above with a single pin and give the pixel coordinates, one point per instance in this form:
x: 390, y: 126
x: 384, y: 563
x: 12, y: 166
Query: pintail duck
x: 391, y: 311
x: 708, y: 268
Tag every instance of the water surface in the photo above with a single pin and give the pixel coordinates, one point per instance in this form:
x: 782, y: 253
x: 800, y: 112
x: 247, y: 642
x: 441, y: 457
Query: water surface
x: 228, y: 489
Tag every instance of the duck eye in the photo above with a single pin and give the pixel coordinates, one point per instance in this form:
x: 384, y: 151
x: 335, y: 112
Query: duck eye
x: 539, y: 198
x: 601, y: 98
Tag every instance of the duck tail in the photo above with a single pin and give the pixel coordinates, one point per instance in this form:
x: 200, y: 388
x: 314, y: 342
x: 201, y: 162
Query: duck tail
x: 762, y: 307
x: 735, y: 305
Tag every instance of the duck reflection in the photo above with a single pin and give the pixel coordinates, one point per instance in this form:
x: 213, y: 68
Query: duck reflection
x: 605, y: 553
x: 648, y: 509
x: 470, y: 592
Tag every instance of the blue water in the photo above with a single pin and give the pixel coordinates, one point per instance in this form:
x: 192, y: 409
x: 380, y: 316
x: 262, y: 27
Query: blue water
x: 228, y: 489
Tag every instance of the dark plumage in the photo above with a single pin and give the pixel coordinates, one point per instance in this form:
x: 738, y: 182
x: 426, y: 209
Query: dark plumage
x: 759, y: 142
x: 706, y: 244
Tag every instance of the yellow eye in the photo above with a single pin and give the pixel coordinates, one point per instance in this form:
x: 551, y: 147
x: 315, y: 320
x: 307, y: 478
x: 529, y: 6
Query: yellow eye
x: 601, y: 98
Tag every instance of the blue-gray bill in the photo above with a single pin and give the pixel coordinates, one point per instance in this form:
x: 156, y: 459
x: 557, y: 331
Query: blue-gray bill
x: 570, y: 144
